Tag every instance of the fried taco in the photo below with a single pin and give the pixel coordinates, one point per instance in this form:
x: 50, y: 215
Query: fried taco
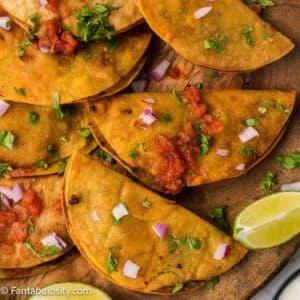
x: 196, y: 137
x: 69, y: 256
x: 37, y: 77
x: 136, y: 238
x: 121, y: 14
x: 36, y: 140
x: 225, y: 35
x: 32, y: 225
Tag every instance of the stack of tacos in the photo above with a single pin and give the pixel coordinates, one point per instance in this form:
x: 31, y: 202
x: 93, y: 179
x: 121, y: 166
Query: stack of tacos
x: 61, y: 64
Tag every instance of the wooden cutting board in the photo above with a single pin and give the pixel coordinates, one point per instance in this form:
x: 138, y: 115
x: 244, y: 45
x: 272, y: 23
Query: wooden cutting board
x: 258, y: 267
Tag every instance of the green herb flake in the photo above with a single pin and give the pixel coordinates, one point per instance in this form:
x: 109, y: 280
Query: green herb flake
x: 269, y: 181
x: 217, y: 216
x: 20, y: 91
x: 198, y: 85
x: 22, y: 49
x: 62, y: 163
x: 211, y: 283
x: 191, y: 283
x: 112, y: 45
x: 47, y: 251
x: 262, y: 110
x: 31, y: 227
x: 211, y: 73
x: 115, y: 222
x: 204, y: 142
x: 7, y: 139
x: 191, y: 243
x: 34, y: 118
x: 247, y: 33
x: 267, y: 37
x: 147, y: 204
x: 53, y: 151
x: 182, y: 11
x: 178, y: 287
x: 250, y: 122
x: 101, y: 154
x: 86, y: 134
x: 4, y: 168
x: 93, y: 24
x: 247, y: 150
x: 264, y: 4
x: 111, y: 263
x: 60, y: 114
x: 273, y: 103
x: 290, y: 161
x: 177, y: 96
x: 166, y: 118
x: 216, y: 43
x: 42, y: 164
x: 134, y: 154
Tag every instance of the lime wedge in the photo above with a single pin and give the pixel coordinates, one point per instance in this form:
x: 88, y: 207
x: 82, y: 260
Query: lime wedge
x: 269, y: 222
x: 70, y: 291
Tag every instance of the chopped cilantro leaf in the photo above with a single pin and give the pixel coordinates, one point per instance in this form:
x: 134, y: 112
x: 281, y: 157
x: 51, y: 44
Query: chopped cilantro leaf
x: 7, y: 139
x: 246, y: 150
x: 86, y: 134
x: 4, y: 168
x: 217, y: 216
x: 104, y: 156
x: 198, y: 85
x: 290, y: 161
x: 211, y: 283
x: 111, y: 262
x: 262, y: 110
x: 112, y: 45
x: 166, y: 118
x: 269, y: 181
x: 216, y: 43
x: 62, y: 163
x: 191, y: 283
x: 53, y: 151
x: 115, y: 221
x: 42, y: 164
x: 211, y: 73
x: 22, y: 49
x: 60, y: 114
x: 275, y: 104
x: 177, y: 96
x: 250, y: 122
x: 34, y: 118
x: 247, y: 33
x: 47, y: 251
x: 93, y: 24
x: 20, y: 91
x: 147, y: 204
x: 178, y: 287
x: 188, y: 242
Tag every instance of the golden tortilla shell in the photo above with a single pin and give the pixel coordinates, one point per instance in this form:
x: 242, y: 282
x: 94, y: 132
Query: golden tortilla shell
x: 122, y: 19
x: 49, y: 190
x: 101, y: 192
x: 91, y: 71
x: 117, y: 132
x: 174, y: 22
x: 32, y: 140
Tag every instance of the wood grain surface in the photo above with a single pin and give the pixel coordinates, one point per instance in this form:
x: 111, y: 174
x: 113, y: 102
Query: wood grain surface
x: 259, y: 266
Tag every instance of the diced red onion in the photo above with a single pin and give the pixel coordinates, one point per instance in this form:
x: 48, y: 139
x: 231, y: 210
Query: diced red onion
x: 44, y: 49
x: 222, y: 152
x: 202, y: 12
x: 159, y: 71
x: 160, y: 229
x: 295, y: 186
x: 248, y: 134
x: 15, y: 193
x: 43, y: 2
x: 240, y: 167
x: 3, y: 107
x: 5, y: 23
x: 222, y: 251
x: 148, y: 101
x: 130, y: 269
x: 95, y: 216
x: 120, y: 211
x: 148, y: 117
x: 139, y: 86
x: 5, y: 201
x: 54, y: 240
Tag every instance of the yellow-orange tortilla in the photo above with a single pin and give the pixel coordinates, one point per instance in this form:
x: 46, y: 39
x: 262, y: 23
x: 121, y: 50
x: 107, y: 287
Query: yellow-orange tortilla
x: 91, y: 71
x: 49, y: 190
x: 117, y: 132
x: 133, y: 238
x: 229, y: 37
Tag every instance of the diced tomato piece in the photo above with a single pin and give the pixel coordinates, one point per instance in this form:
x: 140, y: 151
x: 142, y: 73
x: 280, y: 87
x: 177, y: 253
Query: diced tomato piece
x: 174, y: 72
x: 164, y: 145
x: 69, y: 43
x: 32, y: 203
x: 192, y: 94
x: 58, y: 206
x: 216, y: 126
x: 7, y: 217
x: 54, y: 39
x: 18, y: 232
x: 53, y: 5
